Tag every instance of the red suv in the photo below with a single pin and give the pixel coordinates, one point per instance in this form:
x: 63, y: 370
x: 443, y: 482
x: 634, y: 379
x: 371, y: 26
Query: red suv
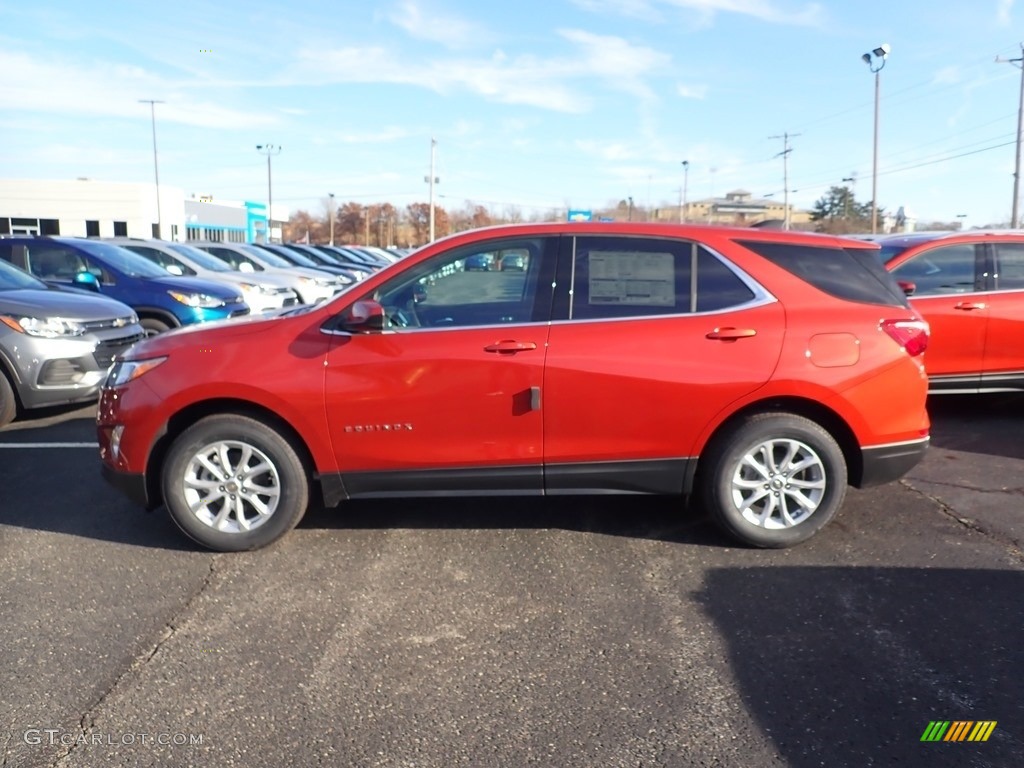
x: 969, y: 286
x: 759, y: 372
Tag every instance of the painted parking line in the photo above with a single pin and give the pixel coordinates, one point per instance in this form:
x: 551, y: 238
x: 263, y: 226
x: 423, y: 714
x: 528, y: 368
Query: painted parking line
x: 49, y: 445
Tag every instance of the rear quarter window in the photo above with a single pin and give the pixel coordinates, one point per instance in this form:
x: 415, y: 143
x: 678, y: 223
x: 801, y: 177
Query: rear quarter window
x: 851, y: 274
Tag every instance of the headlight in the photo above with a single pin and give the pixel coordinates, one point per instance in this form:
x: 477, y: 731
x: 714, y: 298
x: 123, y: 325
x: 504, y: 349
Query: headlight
x: 46, y: 327
x: 326, y: 281
x: 199, y: 300
x: 124, y: 371
x: 306, y: 280
x: 256, y: 288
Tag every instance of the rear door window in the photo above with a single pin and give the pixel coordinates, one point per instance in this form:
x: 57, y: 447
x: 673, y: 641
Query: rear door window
x: 1009, y: 266
x: 852, y: 274
x: 619, y: 277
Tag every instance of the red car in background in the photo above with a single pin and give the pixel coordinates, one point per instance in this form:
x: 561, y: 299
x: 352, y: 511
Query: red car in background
x: 757, y: 372
x: 969, y: 286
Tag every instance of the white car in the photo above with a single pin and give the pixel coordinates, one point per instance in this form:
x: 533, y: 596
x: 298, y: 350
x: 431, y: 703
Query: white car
x: 262, y: 294
x: 312, y: 285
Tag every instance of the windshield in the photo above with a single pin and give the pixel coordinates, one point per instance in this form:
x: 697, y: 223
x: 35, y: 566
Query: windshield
x: 202, y: 258
x: 295, y: 257
x: 12, y: 278
x: 890, y: 252
x: 265, y: 257
x: 121, y: 259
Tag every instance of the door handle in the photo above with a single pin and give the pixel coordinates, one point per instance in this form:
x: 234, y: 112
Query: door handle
x: 510, y: 346
x: 731, y: 334
x: 967, y: 306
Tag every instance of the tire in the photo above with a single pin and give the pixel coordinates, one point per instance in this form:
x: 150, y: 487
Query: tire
x: 753, y: 491
x: 8, y: 403
x: 153, y: 327
x: 244, y: 520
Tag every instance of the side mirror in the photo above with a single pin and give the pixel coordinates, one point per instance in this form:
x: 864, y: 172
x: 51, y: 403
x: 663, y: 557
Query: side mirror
x: 907, y: 286
x: 174, y: 269
x: 87, y: 280
x: 245, y: 266
x: 364, y: 317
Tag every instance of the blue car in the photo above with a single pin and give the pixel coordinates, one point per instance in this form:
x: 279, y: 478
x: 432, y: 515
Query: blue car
x: 161, y: 301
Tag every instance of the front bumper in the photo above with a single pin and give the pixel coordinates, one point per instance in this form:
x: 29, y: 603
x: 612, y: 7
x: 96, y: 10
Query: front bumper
x: 131, y: 484
x: 59, y: 371
x: 885, y: 463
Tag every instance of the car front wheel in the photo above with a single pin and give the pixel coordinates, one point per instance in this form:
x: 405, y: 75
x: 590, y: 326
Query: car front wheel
x: 774, y: 479
x: 8, y: 405
x: 233, y: 483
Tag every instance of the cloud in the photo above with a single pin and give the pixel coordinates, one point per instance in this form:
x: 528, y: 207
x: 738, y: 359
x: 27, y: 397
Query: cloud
x: 449, y: 31
x: 636, y: 9
x: 1003, y: 12
x: 546, y: 83
x: 948, y: 76
x: 606, y: 150
x: 765, y: 10
x: 692, y: 91
x: 110, y: 90
x: 378, y: 136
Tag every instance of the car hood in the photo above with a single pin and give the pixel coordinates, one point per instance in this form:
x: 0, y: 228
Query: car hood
x: 65, y: 304
x: 197, y: 284
x: 217, y: 331
x: 255, y: 278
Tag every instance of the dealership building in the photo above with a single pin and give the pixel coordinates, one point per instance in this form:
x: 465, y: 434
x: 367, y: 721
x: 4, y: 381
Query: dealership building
x: 89, y: 208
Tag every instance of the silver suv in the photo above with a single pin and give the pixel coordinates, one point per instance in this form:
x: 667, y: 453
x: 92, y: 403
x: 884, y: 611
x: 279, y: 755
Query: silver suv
x: 56, y: 344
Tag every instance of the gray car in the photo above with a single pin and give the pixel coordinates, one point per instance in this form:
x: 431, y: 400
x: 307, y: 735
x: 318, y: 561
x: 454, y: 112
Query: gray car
x: 56, y: 344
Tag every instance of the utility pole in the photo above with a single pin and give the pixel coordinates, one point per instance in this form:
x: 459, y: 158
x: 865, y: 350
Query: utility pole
x: 1019, y: 63
x: 432, y: 180
x: 269, y: 150
x: 156, y: 169
x: 784, y: 154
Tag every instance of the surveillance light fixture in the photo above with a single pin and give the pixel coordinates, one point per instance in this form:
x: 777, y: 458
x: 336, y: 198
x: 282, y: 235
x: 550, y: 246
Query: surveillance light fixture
x: 881, y: 54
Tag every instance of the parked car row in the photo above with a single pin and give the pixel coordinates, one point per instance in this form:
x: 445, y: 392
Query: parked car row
x: 161, y: 285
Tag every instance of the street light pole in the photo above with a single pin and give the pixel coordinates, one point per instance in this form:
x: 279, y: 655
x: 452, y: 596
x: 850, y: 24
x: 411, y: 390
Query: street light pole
x: 630, y: 208
x: 881, y: 55
x: 156, y: 169
x: 269, y: 150
x: 1014, y: 219
x: 432, y: 180
x: 846, y: 207
x: 331, y: 196
x: 683, y: 213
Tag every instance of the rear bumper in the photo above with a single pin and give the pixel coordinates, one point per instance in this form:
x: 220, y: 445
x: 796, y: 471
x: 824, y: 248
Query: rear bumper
x: 885, y: 463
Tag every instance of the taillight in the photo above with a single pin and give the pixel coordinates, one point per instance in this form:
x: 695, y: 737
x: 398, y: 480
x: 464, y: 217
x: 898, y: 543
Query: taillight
x: 912, y: 335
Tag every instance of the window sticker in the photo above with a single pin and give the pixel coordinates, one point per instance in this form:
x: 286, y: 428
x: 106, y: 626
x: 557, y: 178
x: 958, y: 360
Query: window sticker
x: 625, y: 277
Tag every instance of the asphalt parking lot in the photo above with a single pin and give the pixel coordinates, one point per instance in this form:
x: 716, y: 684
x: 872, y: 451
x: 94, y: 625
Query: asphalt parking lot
x: 609, y: 631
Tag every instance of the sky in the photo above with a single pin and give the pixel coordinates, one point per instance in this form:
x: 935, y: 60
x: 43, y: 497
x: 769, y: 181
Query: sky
x: 535, y: 105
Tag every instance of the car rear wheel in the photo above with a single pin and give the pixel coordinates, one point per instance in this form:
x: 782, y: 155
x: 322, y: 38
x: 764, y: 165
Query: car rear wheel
x: 233, y: 483
x: 153, y: 327
x: 774, y: 479
x: 8, y: 405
